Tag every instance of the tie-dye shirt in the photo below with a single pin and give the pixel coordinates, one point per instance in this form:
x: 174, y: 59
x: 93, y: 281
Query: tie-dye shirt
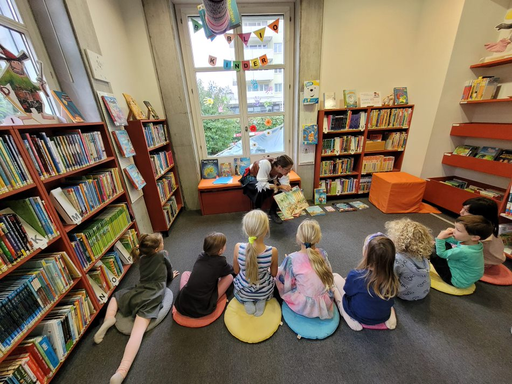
x: 301, y: 288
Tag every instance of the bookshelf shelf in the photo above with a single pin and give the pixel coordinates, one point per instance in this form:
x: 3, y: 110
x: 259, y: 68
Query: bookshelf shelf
x: 17, y: 190
x: 142, y: 133
x: 487, y: 101
x: 485, y: 166
x: 494, y: 63
x: 482, y: 130
x: 168, y: 196
x: 76, y: 171
x: 385, y: 122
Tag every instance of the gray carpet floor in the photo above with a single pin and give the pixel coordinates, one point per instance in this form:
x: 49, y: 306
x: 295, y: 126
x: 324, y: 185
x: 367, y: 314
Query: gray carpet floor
x: 441, y: 339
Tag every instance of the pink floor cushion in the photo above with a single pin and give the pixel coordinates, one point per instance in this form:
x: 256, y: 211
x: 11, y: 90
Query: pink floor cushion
x: 380, y: 327
x: 192, y: 322
x: 497, y: 275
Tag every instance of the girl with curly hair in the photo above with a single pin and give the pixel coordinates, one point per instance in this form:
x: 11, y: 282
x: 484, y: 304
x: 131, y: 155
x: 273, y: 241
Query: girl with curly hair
x: 414, y: 244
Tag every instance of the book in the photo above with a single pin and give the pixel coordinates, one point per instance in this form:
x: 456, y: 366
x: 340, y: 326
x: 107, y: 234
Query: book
x: 291, y: 203
x: 64, y: 207
x: 505, y: 156
x: 310, y: 134
x: 114, y: 110
x: 68, y: 106
x: 135, y: 111
x: 370, y: 99
x: 223, y: 180
x: 209, y: 168
x: 400, y: 95
x: 152, y: 115
x: 358, y: 205
x: 123, y: 142
x: 311, y: 92
x: 465, y: 150
x: 243, y: 164
x: 330, y: 101
x: 315, y: 210
x: 135, y: 177
x: 343, y: 207
x: 320, y: 196
x: 328, y: 208
x: 488, y: 153
x: 349, y: 98
x: 225, y: 169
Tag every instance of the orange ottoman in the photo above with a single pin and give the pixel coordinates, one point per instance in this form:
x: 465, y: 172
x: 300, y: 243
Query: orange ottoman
x: 397, y: 192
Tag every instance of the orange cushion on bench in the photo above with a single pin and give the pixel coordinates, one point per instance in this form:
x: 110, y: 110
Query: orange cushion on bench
x: 497, y: 275
x: 192, y: 322
x: 397, y: 192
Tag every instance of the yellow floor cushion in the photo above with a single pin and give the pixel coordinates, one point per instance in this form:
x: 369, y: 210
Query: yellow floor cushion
x: 439, y: 285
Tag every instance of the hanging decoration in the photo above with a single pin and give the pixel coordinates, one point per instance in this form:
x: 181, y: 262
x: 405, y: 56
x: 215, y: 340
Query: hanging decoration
x: 253, y: 128
x: 254, y: 84
x: 268, y: 122
x: 196, y: 25
x: 218, y: 16
x: 212, y: 60
x: 260, y: 34
x: 274, y: 26
x: 246, y: 65
x: 229, y: 37
x: 245, y: 37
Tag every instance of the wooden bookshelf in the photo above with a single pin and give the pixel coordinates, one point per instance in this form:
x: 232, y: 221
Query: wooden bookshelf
x: 144, y: 149
x: 41, y: 188
x: 370, y: 126
x: 494, y: 63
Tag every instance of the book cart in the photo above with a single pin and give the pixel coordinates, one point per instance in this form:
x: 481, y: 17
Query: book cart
x: 154, y: 159
x: 52, y: 301
x: 354, y: 143
x: 450, y: 197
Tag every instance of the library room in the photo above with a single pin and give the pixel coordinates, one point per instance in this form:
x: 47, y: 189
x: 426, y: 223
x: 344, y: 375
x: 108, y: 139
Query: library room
x: 186, y: 185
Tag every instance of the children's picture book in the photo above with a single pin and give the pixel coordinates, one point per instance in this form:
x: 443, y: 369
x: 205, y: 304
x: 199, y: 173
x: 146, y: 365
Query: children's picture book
x: 456, y: 183
x: 209, y: 168
x: 291, y: 203
x: 465, y: 150
x: 135, y: 177
x: 311, y: 92
x: 225, y: 169
x: 349, y: 98
x: 135, y: 111
x: 330, y: 100
x: 358, y: 205
x: 315, y: 210
x: 370, y: 99
x: 243, y: 164
x: 320, y: 196
x: 343, y: 207
x: 400, y: 95
x: 68, y: 106
x: 328, y: 208
x: 123, y: 143
x: 488, y: 153
x: 114, y: 110
x: 223, y: 180
x: 152, y: 115
x: 505, y: 156
x: 310, y: 134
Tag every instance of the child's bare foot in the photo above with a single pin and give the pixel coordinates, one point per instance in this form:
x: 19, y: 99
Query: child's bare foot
x: 174, y: 274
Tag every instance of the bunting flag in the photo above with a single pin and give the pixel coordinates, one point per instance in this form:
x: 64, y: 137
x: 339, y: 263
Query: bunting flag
x: 229, y: 37
x: 237, y: 65
x: 255, y: 63
x: 245, y: 37
x: 246, y: 65
x: 260, y: 34
x: 274, y: 26
x: 227, y: 65
x: 196, y: 25
x: 212, y: 60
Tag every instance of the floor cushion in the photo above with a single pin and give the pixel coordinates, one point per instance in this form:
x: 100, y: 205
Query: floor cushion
x: 310, y: 328
x: 497, y: 275
x: 380, y: 327
x: 439, y: 285
x: 198, y: 322
x: 125, y: 324
x: 249, y: 328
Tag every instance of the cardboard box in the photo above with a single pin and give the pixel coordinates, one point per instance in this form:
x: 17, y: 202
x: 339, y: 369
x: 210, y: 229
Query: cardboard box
x: 375, y: 145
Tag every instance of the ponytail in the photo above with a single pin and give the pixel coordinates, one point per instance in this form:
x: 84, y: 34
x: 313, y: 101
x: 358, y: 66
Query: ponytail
x: 255, y: 225
x: 321, y: 267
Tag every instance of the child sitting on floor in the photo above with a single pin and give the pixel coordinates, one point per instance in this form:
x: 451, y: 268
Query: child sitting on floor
x: 366, y: 296
x: 414, y: 245
x: 255, y: 264
x: 209, y: 279
x: 304, y: 279
x: 463, y: 263
x: 493, y: 245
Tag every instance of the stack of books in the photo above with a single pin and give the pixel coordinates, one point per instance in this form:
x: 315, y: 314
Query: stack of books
x: 170, y: 210
x: 342, y: 144
x: 166, y: 185
x: 364, y: 184
x: 337, y: 167
x: 483, y: 88
x: 161, y: 161
x: 339, y: 186
x: 378, y: 163
x: 486, y: 153
x: 345, y: 120
x: 155, y: 133
x: 395, y: 140
x: 13, y: 171
x: 386, y: 118
x: 33, y: 211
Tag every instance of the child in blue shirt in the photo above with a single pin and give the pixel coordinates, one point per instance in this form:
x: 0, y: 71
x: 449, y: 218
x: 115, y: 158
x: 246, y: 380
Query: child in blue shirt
x: 459, y: 258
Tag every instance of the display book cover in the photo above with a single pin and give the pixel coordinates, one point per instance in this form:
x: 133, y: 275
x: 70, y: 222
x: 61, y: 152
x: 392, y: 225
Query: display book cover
x: 134, y: 107
x: 135, y: 177
x: 505, y: 156
x: 115, y: 111
x: 320, y: 196
x: 400, y: 95
x: 466, y: 150
x: 151, y: 111
x: 315, y: 210
x: 291, y: 203
x: 209, y: 168
x: 349, y: 98
x: 225, y: 170
x: 123, y: 142
x: 488, y: 153
x: 241, y: 164
x: 68, y: 106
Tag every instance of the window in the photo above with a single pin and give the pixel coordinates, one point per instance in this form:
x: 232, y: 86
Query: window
x: 240, y: 113
x: 278, y: 47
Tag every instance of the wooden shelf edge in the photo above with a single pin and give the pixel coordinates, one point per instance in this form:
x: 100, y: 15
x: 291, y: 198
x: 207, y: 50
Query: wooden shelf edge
x: 17, y: 190
x: 507, y: 100
x: 494, y: 63
x: 164, y: 172
x: 169, y: 196
x: 69, y: 173
x: 158, y: 146
x: 126, y: 267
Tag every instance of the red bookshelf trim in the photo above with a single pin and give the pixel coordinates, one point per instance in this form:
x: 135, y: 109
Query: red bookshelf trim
x: 384, y: 151
x: 14, y: 191
x: 508, y: 100
x: 164, y: 172
x: 341, y: 154
x: 494, y: 63
x: 169, y: 196
x: 339, y: 175
x: 158, y: 146
x: 482, y: 130
x: 485, y: 166
x: 91, y: 165
x: 345, y: 131
x: 386, y: 128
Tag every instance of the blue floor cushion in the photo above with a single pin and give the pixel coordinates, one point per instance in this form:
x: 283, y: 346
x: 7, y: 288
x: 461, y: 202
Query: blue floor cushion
x: 310, y: 328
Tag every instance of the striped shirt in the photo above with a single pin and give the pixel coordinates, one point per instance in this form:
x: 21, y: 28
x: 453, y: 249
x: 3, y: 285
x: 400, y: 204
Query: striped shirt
x: 263, y: 290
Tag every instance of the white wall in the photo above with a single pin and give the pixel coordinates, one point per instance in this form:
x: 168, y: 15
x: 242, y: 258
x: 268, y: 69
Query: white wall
x: 122, y: 34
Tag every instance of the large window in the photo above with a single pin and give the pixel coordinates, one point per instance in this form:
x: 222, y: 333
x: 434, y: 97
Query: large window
x: 245, y: 112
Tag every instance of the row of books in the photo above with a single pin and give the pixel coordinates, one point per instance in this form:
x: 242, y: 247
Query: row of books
x: 26, y: 292
x: 170, y: 210
x: 377, y: 163
x: 211, y: 169
x: 100, y: 232
x: 508, y: 207
x: 483, y: 88
x: 33, y: 211
x: 15, y: 242
x: 505, y: 233
x: 384, y: 118
x: 13, y: 171
x: 462, y: 184
x: 339, y: 186
x: 342, y: 144
x: 102, y: 280
x: 35, y: 359
x: 73, y: 202
x: 166, y: 185
x: 486, y: 153
x: 65, y: 152
x: 155, y: 133
x: 365, y: 183
x: 161, y: 161
x: 337, y: 167
x: 345, y: 120
x: 395, y: 140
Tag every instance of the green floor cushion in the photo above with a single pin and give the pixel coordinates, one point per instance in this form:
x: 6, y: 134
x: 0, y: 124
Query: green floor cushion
x: 193, y: 322
x: 249, y: 328
x: 310, y: 328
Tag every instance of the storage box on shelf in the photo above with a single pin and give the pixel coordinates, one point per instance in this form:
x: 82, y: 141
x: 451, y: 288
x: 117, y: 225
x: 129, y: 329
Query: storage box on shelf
x: 44, y: 281
x: 354, y: 143
x: 154, y: 159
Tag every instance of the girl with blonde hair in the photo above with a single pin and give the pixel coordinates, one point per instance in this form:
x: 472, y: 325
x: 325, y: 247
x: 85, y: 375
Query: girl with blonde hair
x: 255, y: 264
x: 414, y: 244
x: 305, y: 280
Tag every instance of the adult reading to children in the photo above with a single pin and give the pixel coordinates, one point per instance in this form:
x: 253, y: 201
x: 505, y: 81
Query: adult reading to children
x: 264, y: 178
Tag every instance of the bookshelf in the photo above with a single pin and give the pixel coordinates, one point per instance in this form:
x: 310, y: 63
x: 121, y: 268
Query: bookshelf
x: 77, y: 157
x: 154, y: 160
x: 353, y: 143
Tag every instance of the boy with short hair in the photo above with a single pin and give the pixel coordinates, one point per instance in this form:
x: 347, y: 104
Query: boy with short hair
x: 463, y: 263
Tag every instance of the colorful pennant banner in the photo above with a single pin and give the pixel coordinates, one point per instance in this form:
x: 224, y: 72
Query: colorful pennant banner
x: 245, y: 65
x: 260, y: 33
